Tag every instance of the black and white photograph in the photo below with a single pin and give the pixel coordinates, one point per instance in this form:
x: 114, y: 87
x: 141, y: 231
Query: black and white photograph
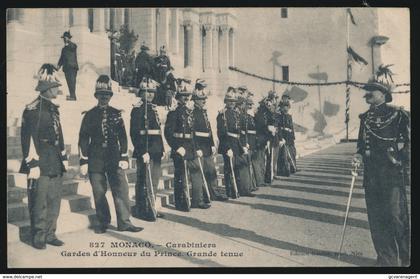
x: 183, y: 137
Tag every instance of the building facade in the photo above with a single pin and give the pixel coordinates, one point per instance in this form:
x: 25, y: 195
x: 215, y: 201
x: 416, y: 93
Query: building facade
x: 200, y: 42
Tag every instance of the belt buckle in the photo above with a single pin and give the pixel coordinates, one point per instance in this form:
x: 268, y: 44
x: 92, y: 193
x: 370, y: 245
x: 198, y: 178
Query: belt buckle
x: 104, y: 145
x: 56, y: 143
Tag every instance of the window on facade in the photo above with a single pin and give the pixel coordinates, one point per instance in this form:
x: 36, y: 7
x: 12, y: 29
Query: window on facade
x: 111, y: 18
x: 283, y: 12
x: 127, y: 17
x: 203, y: 48
x: 90, y: 19
x: 71, y: 17
x: 186, y: 46
x: 285, y: 72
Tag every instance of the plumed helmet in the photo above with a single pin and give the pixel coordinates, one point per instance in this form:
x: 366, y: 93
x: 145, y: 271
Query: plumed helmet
x: 103, y: 85
x: 47, y: 78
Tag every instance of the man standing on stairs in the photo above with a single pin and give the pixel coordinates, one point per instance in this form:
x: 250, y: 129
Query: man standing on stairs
x: 178, y: 134
x: 103, y: 154
x: 203, y: 139
x: 383, y: 146
x: 68, y: 60
x: 146, y: 137
x: 235, y: 163
x: 44, y: 159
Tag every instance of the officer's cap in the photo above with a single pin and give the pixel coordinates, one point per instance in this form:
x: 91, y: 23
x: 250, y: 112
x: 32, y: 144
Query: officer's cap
x: 103, y: 85
x: 374, y: 85
x: 231, y: 95
x: 66, y: 35
x: 149, y: 85
x: 144, y: 46
x: 183, y: 88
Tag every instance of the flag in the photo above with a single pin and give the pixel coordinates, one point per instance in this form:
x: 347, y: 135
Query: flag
x: 356, y: 57
x: 351, y: 16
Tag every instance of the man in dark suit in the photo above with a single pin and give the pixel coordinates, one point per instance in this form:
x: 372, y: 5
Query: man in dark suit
x: 146, y: 135
x: 44, y: 159
x: 103, y: 153
x: 68, y: 60
x: 145, y: 65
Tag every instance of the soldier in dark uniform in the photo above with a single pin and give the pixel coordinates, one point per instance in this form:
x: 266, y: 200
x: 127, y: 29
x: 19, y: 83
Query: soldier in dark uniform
x: 68, y: 60
x: 228, y: 132
x: 103, y: 153
x: 287, y: 153
x: 144, y: 64
x: 44, y: 159
x: 267, y: 137
x: 203, y: 140
x: 147, y: 140
x: 249, y: 139
x: 163, y: 64
x: 179, y: 135
x: 383, y: 146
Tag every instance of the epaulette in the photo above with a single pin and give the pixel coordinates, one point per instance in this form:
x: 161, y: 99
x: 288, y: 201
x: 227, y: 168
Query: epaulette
x: 33, y: 105
x: 362, y: 115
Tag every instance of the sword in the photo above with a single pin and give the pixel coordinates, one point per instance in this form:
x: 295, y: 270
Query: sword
x: 272, y: 161
x: 187, y: 185
x: 152, y: 191
x: 206, y: 187
x: 291, y: 159
x: 353, y: 179
x: 235, y: 187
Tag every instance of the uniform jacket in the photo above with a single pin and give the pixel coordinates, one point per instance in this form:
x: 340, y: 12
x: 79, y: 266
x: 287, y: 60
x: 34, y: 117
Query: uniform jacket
x: 264, y: 118
x: 285, y: 126
x: 178, y: 131
x: 42, y: 138
x: 228, y: 131
x: 138, y: 131
x: 145, y: 65
x: 68, y: 58
x: 102, y: 139
x: 248, y: 131
x: 382, y: 128
x: 203, y: 136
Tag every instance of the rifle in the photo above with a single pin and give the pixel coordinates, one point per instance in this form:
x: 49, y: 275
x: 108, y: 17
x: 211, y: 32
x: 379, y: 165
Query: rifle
x: 150, y: 198
x: 235, y: 187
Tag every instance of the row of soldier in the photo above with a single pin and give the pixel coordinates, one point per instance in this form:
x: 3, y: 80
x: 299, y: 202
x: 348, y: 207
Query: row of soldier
x: 248, y: 145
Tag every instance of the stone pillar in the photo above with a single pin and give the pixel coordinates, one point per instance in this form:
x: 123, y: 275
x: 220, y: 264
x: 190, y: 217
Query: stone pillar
x: 215, y: 46
x: 99, y: 20
x: 224, y: 48
x: 208, y: 47
x: 174, y: 37
x: 80, y: 18
x: 119, y: 18
x: 189, y: 37
x: 231, y: 47
x: 163, y: 28
x: 107, y: 24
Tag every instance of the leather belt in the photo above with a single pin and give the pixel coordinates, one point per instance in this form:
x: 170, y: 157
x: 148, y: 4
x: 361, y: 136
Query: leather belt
x: 233, y: 135
x: 249, y: 132
x: 202, y: 134
x: 150, y: 132
x: 182, y: 136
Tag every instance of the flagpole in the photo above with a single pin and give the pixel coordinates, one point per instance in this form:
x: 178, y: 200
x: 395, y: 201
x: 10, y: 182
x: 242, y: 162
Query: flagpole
x: 347, y: 114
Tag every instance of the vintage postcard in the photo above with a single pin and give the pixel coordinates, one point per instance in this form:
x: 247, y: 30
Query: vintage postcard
x: 208, y: 137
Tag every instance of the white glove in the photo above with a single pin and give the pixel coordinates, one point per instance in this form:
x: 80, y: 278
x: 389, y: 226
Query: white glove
x: 123, y: 165
x: 357, y: 159
x: 367, y: 153
x: 229, y: 153
x: 282, y: 142
x: 190, y: 105
x: 245, y: 150
x: 199, y: 153
x: 84, y: 169
x: 66, y: 164
x: 146, y: 158
x: 213, y: 150
x: 271, y: 128
x: 247, y: 145
x: 181, y: 151
x: 34, y: 173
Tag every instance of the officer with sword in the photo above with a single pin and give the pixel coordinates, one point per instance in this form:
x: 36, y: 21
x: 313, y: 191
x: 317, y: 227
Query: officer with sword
x: 179, y: 135
x: 204, y: 142
x: 146, y: 136
x: 44, y: 159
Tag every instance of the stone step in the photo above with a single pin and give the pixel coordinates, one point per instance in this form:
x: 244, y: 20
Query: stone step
x: 13, y: 131
x: 14, y: 152
x: 13, y: 141
x: 69, y: 187
x: 317, y: 181
x: 15, y: 194
x: 75, y: 203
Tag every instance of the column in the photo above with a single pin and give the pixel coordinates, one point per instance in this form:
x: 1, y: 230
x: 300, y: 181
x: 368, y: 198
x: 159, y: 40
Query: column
x: 174, y: 37
x: 231, y: 47
x: 107, y: 24
x: 215, y: 46
x: 189, y: 37
x: 80, y: 18
x: 224, y: 48
x: 163, y: 28
x: 119, y: 18
x: 208, y: 47
x: 98, y: 20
